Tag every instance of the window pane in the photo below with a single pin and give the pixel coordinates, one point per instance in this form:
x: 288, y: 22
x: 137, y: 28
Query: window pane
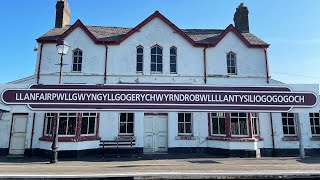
x: 285, y: 129
x: 62, y: 125
x: 215, y: 126
x: 139, y: 50
x: 80, y: 53
x: 153, y: 67
x: 139, y: 58
x: 291, y: 130
x: 74, y: 67
x: 180, y: 127
x: 290, y: 114
x: 172, y: 59
x: 84, y: 125
x: 180, y: 117
x: 130, y: 128
x: 130, y: 117
x: 80, y: 60
x: 317, y: 130
x: 153, y: 50
x: 284, y: 121
x: 79, y: 67
x: 159, y: 67
x: 291, y: 121
x: 188, y: 128
x: 316, y: 121
x: 122, y: 127
x: 92, y: 125
x: 139, y: 67
x: 173, y: 51
x: 153, y: 59
x: 159, y: 59
x: 222, y: 125
x: 188, y: 117
x: 75, y: 60
x: 159, y: 50
x: 123, y: 117
x: 173, y: 68
x: 72, y: 126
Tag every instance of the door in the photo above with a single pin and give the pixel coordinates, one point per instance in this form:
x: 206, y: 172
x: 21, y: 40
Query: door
x: 155, y: 134
x: 18, y: 134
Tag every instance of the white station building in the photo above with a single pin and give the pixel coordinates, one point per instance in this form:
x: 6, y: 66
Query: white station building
x: 157, y: 55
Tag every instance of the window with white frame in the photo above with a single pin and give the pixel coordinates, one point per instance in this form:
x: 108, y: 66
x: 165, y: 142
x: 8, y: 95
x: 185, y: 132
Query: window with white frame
x: 289, y: 124
x: 67, y: 124
x: 88, y: 123
x: 315, y: 124
x: 173, y: 60
x: 184, y: 123
x: 49, y: 121
x: 255, y: 124
x: 139, y: 67
x: 231, y: 63
x: 156, y: 59
x: 77, y: 61
x: 239, y: 124
x: 218, y: 123
x: 126, y: 122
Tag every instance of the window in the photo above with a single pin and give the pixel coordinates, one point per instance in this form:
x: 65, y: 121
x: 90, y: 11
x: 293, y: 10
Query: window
x: 218, y: 125
x: 289, y: 124
x: 315, y: 124
x: 77, y: 61
x: 173, y: 60
x: 88, y: 123
x: 156, y: 59
x: 185, y: 123
x: 139, y: 59
x: 67, y: 123
x: 231, y: 63
x: 239, y: 124
x: 255, y: 124
x: 49, y: 119
x: 126, y: 124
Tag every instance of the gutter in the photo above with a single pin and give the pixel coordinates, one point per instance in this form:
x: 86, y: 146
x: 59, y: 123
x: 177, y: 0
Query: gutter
x: 267, y: 64
x: 205, y: 64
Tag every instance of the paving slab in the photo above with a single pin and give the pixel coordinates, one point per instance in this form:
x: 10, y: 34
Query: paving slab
x: 161, y: 167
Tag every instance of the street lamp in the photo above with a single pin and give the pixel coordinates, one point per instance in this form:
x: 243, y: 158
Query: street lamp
x: 62, y: 49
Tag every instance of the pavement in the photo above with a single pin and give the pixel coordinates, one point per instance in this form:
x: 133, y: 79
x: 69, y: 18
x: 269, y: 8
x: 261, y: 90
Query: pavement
x: 172, y: 166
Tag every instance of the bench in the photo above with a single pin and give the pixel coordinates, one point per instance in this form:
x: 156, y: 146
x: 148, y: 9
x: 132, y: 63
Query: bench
x: 117, y: 144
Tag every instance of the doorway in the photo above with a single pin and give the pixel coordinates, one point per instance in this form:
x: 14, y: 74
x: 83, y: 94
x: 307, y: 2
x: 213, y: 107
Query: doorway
x: 18, y: 134
x: 155, y: 134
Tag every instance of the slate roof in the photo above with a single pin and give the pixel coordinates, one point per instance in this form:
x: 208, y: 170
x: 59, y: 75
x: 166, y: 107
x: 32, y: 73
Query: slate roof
x: 111, y: 34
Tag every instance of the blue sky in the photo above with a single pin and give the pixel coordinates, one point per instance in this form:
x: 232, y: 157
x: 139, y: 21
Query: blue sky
x: 291, y: 27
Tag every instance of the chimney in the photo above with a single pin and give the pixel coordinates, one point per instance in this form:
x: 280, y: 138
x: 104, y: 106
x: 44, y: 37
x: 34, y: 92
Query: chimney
x: 241, y: 19
x: 62, y: 14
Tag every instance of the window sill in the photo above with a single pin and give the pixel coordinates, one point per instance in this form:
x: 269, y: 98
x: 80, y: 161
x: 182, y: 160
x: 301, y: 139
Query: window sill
x: 185, y: 137
x: 290, y: 138
x: 71, y: 139
x: 125, y: 137
x: 234, y: 139
x: 315, y: 138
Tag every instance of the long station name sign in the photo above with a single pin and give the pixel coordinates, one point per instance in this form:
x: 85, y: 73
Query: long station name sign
x: 133, y: 97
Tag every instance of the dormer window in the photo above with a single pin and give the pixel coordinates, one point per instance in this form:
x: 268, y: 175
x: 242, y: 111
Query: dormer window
x: 139, y: 67
x: 77, y: 60
x: 156, y: 59
x: 231, y: 63
x: 173, y: 60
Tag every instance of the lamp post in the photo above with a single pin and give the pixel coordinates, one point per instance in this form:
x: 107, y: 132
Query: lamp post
x: 62, y: 49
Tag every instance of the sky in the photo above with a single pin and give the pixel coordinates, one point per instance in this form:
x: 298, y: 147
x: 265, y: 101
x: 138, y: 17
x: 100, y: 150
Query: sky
x: 292, y: 28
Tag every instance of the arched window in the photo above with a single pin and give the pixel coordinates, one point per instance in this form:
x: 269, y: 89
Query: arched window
x: 77, y: 60
x: 231, y: 63
x: 173, y: 60
x: 139, y: 67
x: 156, y: 59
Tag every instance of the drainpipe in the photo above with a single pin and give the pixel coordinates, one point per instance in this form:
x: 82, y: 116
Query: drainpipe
x: 205, y: 64
x: 270, y: 114
x: 32, y: 133
x: 39, y: 65
x: 105, y: 66
x: 267, y: 64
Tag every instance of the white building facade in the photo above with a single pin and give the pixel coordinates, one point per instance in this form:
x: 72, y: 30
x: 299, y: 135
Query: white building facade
x: 156, y: 52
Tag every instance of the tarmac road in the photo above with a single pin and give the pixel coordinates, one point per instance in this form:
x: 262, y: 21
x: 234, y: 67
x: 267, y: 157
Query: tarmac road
x: 173, y: 167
